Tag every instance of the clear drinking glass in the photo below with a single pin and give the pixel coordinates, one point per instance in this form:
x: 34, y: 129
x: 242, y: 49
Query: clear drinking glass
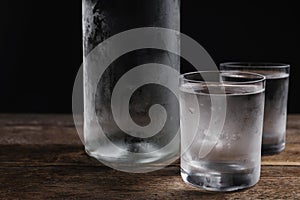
x: 221, y: 129
x: 277, y: 83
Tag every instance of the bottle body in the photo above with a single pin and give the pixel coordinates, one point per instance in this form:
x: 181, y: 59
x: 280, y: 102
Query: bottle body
x: 114, y: 145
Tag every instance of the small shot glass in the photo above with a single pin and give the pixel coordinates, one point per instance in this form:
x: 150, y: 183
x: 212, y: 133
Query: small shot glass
x: 275, y: 116
x: 221, y: 129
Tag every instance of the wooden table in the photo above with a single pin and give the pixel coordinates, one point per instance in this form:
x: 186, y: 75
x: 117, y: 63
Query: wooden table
x: 42, y: 157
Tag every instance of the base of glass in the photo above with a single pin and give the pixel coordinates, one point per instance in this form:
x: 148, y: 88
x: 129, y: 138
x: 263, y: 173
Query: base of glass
x: 137, y: 164
x: 221, y: 182
x: 271, y: 149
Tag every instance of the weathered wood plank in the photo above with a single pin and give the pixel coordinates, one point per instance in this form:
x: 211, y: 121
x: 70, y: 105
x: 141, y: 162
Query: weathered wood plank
x: 84, y: 182
x: 36, y: 119
x: 38, y: 129
x: 37, y: 155
x: 59, y: 129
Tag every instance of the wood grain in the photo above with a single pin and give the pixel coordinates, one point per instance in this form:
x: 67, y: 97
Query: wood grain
x: 41, y: 157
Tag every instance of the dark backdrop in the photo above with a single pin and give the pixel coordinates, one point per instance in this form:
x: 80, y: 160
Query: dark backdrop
x: 40, y: 45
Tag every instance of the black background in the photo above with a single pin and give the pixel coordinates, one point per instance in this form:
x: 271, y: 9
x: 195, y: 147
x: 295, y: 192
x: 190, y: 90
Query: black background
x: 41, y: 49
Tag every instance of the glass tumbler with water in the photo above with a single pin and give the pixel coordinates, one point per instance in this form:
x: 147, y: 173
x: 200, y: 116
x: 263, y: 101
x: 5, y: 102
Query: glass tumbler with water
x: 277, y: 83
x: 221, y: 129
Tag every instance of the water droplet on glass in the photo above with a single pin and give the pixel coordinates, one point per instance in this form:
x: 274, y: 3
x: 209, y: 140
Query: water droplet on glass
x: 191, y: 110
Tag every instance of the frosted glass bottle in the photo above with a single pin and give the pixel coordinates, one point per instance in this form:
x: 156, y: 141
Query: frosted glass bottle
x: 111, y: 145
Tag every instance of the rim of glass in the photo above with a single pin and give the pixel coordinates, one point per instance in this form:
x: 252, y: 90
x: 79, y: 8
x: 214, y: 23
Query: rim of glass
x: 258, y: 65
x: 260, y: 78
